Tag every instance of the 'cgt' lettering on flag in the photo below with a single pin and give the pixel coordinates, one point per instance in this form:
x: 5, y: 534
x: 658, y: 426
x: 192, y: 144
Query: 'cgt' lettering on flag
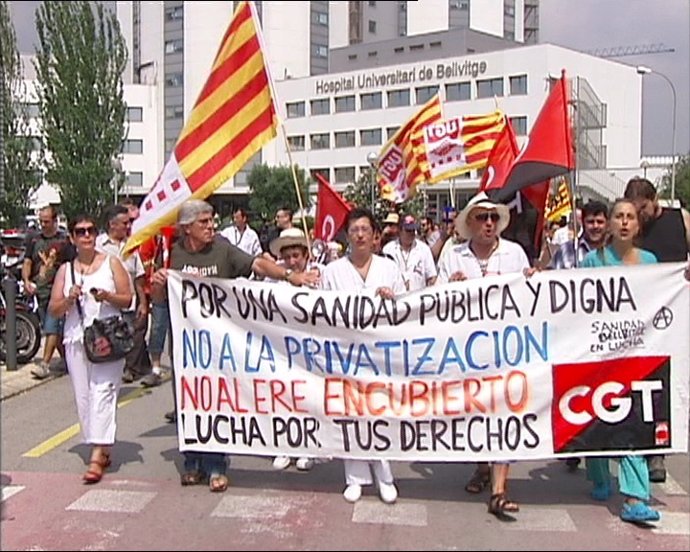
x: 233, y: 118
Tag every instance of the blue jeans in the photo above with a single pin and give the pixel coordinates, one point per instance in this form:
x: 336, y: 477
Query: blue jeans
x: 210, y: 463
x: 50, y: 324
x: 160, y: 323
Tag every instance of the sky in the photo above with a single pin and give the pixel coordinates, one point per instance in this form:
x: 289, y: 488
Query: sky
x: 584, y: 25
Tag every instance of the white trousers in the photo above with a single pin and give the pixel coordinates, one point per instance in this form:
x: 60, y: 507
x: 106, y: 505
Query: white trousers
x: 358, y: 472
x: 95, y: 392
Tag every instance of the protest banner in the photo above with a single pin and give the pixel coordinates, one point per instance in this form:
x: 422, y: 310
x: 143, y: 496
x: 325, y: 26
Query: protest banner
x: 579, y: 362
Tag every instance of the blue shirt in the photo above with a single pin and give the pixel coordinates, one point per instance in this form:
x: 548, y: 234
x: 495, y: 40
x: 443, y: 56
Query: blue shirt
x: 609, y: 257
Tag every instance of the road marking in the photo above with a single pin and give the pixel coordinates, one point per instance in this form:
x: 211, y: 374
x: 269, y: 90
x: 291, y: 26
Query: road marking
x: 673, y: 523
x: 66, y: 434
x: 261, y: 507
x: 671, y: 487
x: 541, y: 519
x: 375, y: 511
x: 11, y: 490
x: 112, y: 501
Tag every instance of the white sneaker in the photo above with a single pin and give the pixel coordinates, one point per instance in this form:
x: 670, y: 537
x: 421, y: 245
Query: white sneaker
x: 281, y: 462
x: 388, y: 492
x: 304, y: 464
x: 352, y: 493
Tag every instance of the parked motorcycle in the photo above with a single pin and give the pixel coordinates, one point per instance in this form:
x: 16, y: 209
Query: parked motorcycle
x: 28, y: 335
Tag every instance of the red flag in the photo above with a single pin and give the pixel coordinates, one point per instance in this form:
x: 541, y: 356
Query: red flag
x: 500, y: 162
x: 548, y: 151
x: 331, y: 211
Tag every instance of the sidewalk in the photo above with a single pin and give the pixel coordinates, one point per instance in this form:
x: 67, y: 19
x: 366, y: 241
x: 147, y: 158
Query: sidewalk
x: 17, y: 381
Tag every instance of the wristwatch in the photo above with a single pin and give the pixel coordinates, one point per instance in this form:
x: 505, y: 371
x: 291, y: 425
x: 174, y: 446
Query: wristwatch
x: 288, y: 273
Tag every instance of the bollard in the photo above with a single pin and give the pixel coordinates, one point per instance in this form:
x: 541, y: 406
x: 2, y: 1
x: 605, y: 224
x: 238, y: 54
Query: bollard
x: 9, y: 287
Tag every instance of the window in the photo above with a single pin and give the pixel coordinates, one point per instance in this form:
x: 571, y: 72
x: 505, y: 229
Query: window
x: 399, y: 49
x: 174, y: 112
x: 173, y: 14
x: 135, y: 178
x: 372, y: 54
x: 174, y: 46
x: 345, y: 139
x: 425, y: 93
x: 370, y: 137
x: 458, y: 91
x: 390, y: 131
x: 320, y: 18
x: 416, y: 47
x: 352, y: 57
x: 344, y: 104
x: 135, y: 114
x: 519, y: 125
x: 295, y: 110
x: 518, y: 85
x: 399, y: 98
x: 296, y: 143
x: 436, y: 44
x: 324, y: 173
x: 372, y: 27
x: 174, y: 80
x: 133, y: 146
x: 321, y: 107
x: 320, y: 141
x: 344, y: 175
x: 320, y: 50
x: 32, y: 110
x: 371, y: 101
x: 489, y: 88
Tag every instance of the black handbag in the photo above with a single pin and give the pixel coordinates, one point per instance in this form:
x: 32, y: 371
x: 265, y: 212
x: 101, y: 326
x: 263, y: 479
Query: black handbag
x: 107, y: 339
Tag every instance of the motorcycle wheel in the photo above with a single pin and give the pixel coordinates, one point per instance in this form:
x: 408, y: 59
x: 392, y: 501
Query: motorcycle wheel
x: 28, y: 337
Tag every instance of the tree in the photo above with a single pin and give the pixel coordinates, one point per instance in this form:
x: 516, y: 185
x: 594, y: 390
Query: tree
x: 273, y: 188
x: 359, y: 194
x: 19, y: 177
x: 79, y: 65
x: 682, y: 181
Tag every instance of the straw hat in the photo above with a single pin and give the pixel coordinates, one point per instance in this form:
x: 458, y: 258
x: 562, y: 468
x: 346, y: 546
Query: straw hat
x: 288, y: 237
x: 481, y: 200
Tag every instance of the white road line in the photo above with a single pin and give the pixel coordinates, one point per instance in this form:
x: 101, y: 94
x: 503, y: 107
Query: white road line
x: 11, y: 490
x: 541, y: 519
x: 112, y: 501
x: 374, y: 511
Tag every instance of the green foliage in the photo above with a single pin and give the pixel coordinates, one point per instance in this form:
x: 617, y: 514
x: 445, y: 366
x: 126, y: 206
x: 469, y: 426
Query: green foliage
x: 273, y: 187
x: 359, y: 194
x: 682, y: 181
x: 19, y: 177
x: 80, y: 60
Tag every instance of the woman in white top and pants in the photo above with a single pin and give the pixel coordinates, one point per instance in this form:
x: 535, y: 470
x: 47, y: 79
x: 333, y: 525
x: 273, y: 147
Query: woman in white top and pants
x: 101, y: 285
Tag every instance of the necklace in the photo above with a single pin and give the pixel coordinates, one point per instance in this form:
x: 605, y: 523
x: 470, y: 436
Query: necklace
x: 484, y: 263
x: 85, y: 270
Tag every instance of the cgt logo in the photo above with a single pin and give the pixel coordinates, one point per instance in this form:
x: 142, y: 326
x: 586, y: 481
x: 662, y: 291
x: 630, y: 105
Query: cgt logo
x: 606, y: 403
x: 610, y: 404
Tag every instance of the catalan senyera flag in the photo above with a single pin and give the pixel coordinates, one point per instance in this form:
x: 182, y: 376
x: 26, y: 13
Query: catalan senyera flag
x: 456, y: 146
x: 402, y: 165
x: 233, y: 118
x: 560, y: 204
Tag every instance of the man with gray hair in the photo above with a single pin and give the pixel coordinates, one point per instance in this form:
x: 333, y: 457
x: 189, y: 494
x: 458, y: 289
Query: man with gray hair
x: 199, y: 251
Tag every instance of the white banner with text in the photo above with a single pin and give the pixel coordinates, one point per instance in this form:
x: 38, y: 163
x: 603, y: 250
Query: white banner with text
x: 575, y: 362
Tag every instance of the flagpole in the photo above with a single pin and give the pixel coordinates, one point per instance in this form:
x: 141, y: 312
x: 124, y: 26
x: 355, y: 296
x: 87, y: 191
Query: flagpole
x: 262, y: 45
x: 573, y: 174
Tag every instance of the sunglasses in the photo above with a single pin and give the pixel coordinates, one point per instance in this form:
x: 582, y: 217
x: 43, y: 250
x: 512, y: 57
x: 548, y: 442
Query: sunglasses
x: 88, y: 231
x: 483, y: 217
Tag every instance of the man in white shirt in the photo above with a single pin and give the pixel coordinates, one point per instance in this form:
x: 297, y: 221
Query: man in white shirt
x: 413, y: 256
x: 118, y: 226
x: 241, y: 234
x: 362, y: 271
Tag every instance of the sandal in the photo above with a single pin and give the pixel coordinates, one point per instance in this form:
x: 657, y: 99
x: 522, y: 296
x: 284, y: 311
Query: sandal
x: 95, y: 471
x: 499, y: 504
x: 478, y: 482
x: 192, y: 478
x: 218, y: 483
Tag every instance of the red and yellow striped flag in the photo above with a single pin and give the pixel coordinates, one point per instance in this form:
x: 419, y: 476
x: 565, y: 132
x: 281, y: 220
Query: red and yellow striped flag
x: 461, y: 144
x: 559, y: 204
x: 233, y: 118
x: 400, y: 166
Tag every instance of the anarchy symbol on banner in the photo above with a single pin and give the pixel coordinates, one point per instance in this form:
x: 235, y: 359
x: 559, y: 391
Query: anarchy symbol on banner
x: 328, y: 228
x: 663, y: 318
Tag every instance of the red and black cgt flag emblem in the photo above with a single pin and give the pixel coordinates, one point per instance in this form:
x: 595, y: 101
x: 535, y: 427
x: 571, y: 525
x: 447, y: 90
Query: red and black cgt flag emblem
x: 618, y: 404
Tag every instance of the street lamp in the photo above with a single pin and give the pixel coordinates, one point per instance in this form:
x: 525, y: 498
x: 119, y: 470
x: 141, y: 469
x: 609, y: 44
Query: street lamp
x: 373, y: 159
x: 642, y: 70
x: 116, y: 165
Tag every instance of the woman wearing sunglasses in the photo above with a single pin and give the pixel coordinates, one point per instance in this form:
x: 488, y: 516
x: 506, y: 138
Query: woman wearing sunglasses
x: 99, y: 284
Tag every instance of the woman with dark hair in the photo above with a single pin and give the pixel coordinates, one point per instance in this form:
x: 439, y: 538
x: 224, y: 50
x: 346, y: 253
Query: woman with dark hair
x: 633, y: 476
x: 93, y: 286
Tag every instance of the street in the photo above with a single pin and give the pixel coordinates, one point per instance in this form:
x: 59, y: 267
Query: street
x: 140, y: 505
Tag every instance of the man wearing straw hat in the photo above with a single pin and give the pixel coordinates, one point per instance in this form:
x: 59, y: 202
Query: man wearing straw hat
x: 485, y: 254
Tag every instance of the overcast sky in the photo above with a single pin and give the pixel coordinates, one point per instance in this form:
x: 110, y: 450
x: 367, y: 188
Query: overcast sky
x: 584, y: 25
